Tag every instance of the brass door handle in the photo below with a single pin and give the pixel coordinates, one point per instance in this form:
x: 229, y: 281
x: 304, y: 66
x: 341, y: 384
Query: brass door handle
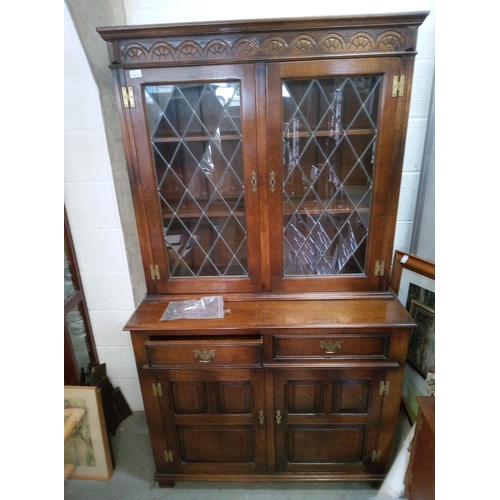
x: 330, y: 347
x: 278, y: 417
x: 261, y: 417
x: 205, y: 356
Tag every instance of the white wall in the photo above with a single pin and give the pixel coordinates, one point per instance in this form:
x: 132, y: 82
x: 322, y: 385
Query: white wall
x: 89, y: 193
x: 90, y: 201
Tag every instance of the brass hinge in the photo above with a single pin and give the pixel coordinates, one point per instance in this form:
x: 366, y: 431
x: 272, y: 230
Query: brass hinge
x: 398, y: 86
x: 376, y: 454
x: 169, y: 456
x: 155, y: 272
x: 384, y: 388
x: 379, y: 267
x: 157, y: 390
x: 128, y: 97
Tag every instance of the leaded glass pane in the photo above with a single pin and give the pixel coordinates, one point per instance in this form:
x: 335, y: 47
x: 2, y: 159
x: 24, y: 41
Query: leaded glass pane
x: 329, y: 137
x: 195, y: 133
x: 78, y: 337
x: 69, y: 279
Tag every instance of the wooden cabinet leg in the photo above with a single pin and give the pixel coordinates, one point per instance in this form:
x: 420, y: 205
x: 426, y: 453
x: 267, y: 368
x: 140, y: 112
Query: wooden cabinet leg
x: 163, y: 483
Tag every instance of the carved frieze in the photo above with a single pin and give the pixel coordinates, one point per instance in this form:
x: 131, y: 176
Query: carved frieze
x: 253, y: 41
x: 248, y: 48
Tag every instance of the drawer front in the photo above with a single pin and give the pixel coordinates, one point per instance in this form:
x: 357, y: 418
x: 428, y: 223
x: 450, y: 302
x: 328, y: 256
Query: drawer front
x: 322, y: 347
x: 204, y: 353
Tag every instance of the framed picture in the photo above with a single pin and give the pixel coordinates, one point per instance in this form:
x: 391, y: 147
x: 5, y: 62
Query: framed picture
x: 421, y: 350
x: 413, y: 281
x: 408, y: 269
x: 414, y: 385
x: 87, y: 449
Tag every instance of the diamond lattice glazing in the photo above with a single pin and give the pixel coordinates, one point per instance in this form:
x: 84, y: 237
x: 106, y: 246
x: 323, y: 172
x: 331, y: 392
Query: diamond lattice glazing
x: 329, y: 138
x: 197, y: 145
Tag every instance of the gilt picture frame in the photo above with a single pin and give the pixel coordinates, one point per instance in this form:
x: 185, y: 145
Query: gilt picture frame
x: 88, y: 447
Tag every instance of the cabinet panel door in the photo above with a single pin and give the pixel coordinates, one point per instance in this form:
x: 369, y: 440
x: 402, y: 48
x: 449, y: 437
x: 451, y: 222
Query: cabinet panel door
x: 333, y: 147
x: 213, y: 420
x: 326, y: 420
x: 194, y: 133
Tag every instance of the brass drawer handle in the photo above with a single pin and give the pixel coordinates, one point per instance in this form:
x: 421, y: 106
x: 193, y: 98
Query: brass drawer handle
x: 330, y: 347
x: 204, y: 356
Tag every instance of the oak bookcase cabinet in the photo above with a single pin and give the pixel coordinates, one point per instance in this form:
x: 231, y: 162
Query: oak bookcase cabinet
x: 265, y: 161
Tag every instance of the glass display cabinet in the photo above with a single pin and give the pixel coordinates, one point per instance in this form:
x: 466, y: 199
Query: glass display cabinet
x: 79, y: 349
x: 265, y: 163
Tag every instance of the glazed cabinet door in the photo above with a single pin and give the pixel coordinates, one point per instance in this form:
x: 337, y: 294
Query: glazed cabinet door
x: 213, y: 420
x: 193, y: 169
x: 333, y: 144
x: 326, y: 421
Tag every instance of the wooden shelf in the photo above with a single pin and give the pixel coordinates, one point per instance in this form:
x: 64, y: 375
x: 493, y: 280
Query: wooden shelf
x: 216, y: 209
x: 317, y: 209
x: 198, y: 138
x: 328, y: 133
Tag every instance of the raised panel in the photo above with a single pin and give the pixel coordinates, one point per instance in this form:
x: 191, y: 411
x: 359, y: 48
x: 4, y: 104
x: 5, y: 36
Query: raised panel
x: 325, y: 444
x: 351, y: 396
x: 189, y: 397
x: 304, y: 396
x: 213, y: 444
x: 225, y: 397
x: 235, y: 397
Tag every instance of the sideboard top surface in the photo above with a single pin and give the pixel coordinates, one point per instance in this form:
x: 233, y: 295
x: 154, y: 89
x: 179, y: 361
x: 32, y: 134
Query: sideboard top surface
x: 266, y: 314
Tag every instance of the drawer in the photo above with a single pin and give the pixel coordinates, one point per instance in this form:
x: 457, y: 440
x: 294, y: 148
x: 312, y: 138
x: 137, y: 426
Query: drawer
x: 331, y: 346
x: 205, y: 352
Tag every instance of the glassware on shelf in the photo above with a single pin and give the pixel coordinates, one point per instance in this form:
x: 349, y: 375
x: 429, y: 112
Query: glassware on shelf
x: 329, y: 137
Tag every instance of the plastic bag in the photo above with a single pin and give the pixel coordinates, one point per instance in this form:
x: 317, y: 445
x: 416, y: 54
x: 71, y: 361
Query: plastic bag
x: 204, y: 308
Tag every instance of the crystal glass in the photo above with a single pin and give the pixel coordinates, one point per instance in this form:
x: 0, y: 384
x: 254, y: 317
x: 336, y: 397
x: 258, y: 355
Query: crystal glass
x: 329, y: 138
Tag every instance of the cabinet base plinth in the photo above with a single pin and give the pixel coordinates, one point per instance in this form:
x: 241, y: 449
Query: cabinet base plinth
x: 169, y: 480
